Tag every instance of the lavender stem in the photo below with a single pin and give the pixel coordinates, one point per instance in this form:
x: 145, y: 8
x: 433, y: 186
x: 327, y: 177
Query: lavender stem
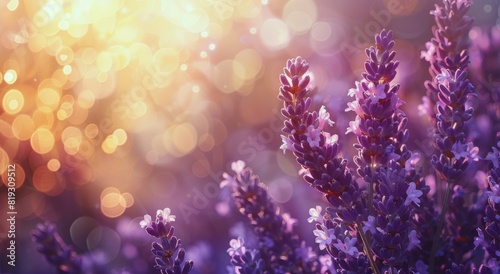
x: 435, y: 243
x: 367, y: 249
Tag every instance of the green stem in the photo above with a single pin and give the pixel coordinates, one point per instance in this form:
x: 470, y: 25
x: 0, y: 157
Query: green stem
x: 435, y: 243
x: 367, y: 249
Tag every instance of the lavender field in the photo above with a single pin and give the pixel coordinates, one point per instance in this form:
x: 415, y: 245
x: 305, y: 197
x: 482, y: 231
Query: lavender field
x: 247, y: 136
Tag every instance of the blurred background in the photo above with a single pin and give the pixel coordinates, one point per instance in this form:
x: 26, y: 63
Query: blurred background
x: 114, y: 109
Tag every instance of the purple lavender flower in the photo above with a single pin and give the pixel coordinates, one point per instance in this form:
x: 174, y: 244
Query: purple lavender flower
x: 245, y: 262
x: 380, y: 125
x: 383, y: 159
x: 448, y: 94
x: 169, y: 254
x: 485, y: 75
x: 489, y: 237
x: 316, y: 151
x: 318, y: 154
x: 450, y: 89
x: 280, y: 249
x: 455, y: 154
x: 446, y: 50
x: 49, y: 243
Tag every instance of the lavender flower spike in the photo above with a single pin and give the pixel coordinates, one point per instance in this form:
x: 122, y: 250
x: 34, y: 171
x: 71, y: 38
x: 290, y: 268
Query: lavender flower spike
x: 380, y: 125
x: 446, y: 50
x: 316, y: 151
x: 449, y: 90
x: 280, y: 249
x: 169, y: 246
x: 383, y: 160
x: 489, y: 238
x: 49, y: 243
x: 245, y: 261
x: 455, y: 153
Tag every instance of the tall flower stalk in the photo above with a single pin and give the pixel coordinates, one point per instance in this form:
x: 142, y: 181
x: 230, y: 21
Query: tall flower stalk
x: 383, y: 160
x: 316, y: 151
x: 49, y: 243
x: 447, y: 96
x: 169, y: 254
x: 489, y: 237
x: 446, y: 49
x: 280, y: 248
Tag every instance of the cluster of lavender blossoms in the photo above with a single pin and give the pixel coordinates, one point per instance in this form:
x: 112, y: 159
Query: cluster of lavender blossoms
x: 169, y: 254
x: 369, y: 228
x: 280, y: 249
x: 49, y: 243
x: 452, y: 89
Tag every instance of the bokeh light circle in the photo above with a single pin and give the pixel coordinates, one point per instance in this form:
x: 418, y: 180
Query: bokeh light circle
x: 42, y: 140
x: 13, y: 101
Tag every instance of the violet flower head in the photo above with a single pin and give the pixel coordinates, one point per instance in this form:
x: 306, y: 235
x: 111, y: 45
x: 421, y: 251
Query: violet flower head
x: 450, y: 89
x: 169, y: 254
x: 279, y: 246
x: 383, y: 160
x: 446, y: 50
x: 316, y: 151
x: 49, y: 243
x: 489, y: 237
x: 485, y: 75
x: 380, y: 125
x: 455, y: 153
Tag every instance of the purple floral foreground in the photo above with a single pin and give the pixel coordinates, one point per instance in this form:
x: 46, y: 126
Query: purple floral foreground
x: 168, y: 252
x: 49, y: 243
x: 378, y: 214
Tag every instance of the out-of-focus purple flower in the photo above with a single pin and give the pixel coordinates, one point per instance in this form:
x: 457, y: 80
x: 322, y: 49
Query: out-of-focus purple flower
x: 465, y: 151
x: 49, y: 243
x: 306, y: 252
x: 370, y: 225
x: 327, y: 265
x: 354, y: 126
x: 479, y: 240
x: 248, y: 263
x: 413, y: 240
x: 324, y: 237
x: 147, y: 222
x: 446, y: 50
x: 278, y: 244
x: 287, y: 144
x: 412, y: 195
x: 236, y: 247
x: 485, y: 75
x: 169, y: 254
x: 313, y: 136
x: 421, y: 267
x: 412, y: 162
x: 494, y: 172
x: 238, y: 166
x: 315, y: 214
x: 289, y: 222
x: 324, y: 118
x: 348, y: 246
x: 489, y: 237
x: 428, y: 54
x: 426, y: 107
x: 494, y: 156
x: 228, y: 181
